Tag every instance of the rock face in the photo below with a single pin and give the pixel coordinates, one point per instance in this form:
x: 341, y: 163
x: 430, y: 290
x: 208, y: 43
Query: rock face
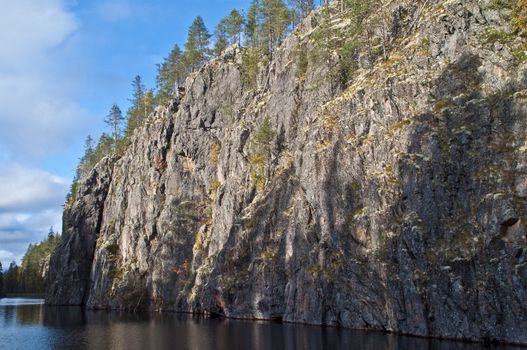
x: 70, y: 265
x: 395, y: 202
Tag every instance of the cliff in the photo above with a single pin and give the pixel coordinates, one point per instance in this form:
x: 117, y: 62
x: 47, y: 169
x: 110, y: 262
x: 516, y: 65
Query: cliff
x: 395, y: 200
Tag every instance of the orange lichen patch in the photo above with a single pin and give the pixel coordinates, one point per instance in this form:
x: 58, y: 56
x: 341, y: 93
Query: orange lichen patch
x: 160, y: 164
x: 183, y: 269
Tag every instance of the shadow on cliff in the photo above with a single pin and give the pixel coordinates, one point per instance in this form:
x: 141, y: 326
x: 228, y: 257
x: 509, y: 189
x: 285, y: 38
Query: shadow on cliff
x: 464, y: 245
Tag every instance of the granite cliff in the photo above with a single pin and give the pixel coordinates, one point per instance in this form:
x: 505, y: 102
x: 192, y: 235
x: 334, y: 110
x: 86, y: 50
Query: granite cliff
x: 395, y: 200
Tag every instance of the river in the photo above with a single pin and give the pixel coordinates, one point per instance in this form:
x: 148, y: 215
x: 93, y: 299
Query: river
x: 28, y: 324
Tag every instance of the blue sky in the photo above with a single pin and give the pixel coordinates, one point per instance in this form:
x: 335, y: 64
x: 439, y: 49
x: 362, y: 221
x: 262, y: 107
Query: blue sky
x: 62, y: 64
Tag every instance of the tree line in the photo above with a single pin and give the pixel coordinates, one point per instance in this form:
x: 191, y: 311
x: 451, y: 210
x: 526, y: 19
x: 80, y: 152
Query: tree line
x: 259, y: 31
x: 30, y: 276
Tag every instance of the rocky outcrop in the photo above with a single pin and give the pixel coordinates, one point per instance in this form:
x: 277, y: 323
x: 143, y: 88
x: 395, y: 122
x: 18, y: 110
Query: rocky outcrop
x: 70, y: 265
x: 396, y: 201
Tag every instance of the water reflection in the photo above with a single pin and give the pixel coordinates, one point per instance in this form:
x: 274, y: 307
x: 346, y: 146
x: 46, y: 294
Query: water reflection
x: 33, y: 326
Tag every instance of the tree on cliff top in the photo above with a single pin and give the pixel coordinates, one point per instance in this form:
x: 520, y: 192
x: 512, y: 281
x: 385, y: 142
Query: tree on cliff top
x: 275, y: 19
x: 171, y: 74
x: 234, y: 27
x: 115, y: 121
x: 197, y: 45
x: 220, y: 35
x: 142, y: 104
x: 266, y: 24
x: 300, y: 9
x: 228, y: 31
x: 252, y: 25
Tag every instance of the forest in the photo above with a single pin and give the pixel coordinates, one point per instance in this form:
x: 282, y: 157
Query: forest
x: 30, y: 276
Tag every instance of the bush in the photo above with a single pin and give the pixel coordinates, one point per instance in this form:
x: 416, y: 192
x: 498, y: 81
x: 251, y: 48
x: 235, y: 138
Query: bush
x: 261, y: 153
x: 249, y: 68
x: 519, y: 17
x: 214, y: 153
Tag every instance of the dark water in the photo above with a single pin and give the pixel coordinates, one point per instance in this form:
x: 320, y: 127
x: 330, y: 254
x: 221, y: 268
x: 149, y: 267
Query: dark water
x: 27, y: 324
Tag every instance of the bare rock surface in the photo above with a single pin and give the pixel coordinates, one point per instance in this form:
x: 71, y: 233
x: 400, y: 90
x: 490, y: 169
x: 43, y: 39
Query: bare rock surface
x: 396, y: 202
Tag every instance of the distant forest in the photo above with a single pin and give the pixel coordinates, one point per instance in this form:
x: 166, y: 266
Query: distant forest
x: 30, y: 276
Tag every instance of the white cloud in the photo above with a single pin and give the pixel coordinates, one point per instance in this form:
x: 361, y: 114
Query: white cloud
x: 27, y: 27
x: 30, y: 202
x: 27, y: 190
x: 5, y: 256
x: 38, y: 116
x: 36, y: 113
x: 18, y: 230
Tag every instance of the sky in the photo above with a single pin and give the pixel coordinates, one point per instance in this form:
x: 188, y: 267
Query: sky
x: 63, y: 63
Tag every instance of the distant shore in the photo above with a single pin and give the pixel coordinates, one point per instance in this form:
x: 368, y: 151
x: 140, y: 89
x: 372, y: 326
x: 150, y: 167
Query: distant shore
x: 22, y: 295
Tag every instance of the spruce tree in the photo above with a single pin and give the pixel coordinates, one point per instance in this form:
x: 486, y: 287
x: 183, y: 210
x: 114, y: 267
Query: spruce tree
x: 197, y: 45
x: 275, y: 19
x: 51, y: 234
x: 234, y: 27
x: 171, y: 74
x: 135, y: 114
x: 252, y: 25
x: 220, y: 35
x: 138, y: 90
x: 88, y: 159
x: 114, y: 120
x: 228, y: 31
x: 88, y: 144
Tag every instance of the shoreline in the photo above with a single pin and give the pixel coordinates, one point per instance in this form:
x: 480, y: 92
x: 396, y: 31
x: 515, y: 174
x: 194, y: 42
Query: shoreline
x: 23, y: 295
x: 486, y: 343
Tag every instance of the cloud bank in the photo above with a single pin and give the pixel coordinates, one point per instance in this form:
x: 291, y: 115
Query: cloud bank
x: 36, y: 114
x: 37, y: 118
x: 29, y: 205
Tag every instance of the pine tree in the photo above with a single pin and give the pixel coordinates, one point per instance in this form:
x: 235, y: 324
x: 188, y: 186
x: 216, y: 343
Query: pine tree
x: 234, y: 27
x: 228, y: 31
x: 88, y: 144
x: 135, y: 114
x: 197, y: 45
x: 87, y: 161
x: 274, y: 23
x: 138, y: 89
x: 171, y: 74
x: 300, y: 9
x: 252, y: 25
x: 114, y: 120
x: 220, y: 35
